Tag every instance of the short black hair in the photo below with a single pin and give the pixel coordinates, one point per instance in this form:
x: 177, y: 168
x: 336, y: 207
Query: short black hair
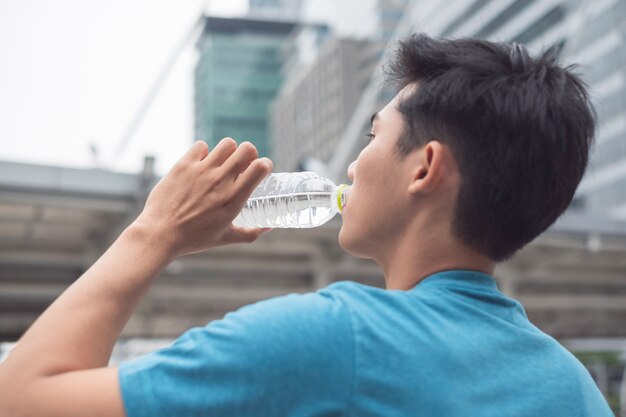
x: 520, y: 129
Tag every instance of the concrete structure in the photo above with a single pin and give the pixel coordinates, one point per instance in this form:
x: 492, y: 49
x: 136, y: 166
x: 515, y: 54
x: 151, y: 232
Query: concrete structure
x: 316, y: 102
x: 55, y: 222
x: 237, y: 76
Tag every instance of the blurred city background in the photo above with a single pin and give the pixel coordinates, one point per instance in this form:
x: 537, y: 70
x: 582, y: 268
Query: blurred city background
x: 98, y: 99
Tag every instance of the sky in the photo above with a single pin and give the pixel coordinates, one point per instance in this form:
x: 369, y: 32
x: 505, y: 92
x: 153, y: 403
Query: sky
x: 73, y: 74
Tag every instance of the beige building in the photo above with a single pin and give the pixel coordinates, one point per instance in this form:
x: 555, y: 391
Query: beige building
x: 313, y: 107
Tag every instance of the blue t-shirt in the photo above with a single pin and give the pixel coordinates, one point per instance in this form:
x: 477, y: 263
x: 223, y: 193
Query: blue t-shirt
x: 454, y: 345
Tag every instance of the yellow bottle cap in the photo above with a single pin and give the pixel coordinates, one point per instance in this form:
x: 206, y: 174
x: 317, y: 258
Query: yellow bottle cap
x: 340, y: 190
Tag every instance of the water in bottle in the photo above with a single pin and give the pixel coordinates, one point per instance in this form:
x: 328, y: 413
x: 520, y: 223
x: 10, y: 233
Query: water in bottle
x: 293, y: 200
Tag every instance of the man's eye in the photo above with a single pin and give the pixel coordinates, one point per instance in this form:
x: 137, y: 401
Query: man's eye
x: 370, y: 136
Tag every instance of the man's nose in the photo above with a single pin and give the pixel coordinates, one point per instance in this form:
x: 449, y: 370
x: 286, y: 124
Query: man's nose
x: 351, y: 171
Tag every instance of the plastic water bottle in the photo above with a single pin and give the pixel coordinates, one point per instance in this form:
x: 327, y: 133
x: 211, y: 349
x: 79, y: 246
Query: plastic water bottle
x: 293, y: 200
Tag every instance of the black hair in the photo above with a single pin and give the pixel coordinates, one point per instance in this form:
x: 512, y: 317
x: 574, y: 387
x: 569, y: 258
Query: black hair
x: 520, y: 129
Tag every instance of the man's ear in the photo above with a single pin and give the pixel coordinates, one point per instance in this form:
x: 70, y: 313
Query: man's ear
x: 427, y: 173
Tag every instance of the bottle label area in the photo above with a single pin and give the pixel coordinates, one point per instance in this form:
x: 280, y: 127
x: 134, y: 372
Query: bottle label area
x: 295, y: 210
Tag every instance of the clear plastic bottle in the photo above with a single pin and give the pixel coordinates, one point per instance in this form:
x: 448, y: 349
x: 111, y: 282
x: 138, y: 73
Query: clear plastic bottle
x: 293, y: 200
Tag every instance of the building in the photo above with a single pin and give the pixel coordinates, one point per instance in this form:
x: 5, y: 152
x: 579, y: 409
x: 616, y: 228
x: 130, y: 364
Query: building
x: 325, y: 73
x: 372, y: 20
x: 362, y: 19
x: 316, y: 102
x: 237, y: 75
x: 273, y: 9
x: 597, y: 44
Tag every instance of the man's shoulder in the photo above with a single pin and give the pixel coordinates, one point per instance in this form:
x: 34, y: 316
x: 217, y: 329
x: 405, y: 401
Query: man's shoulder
x: 256, y: 356
x: 327, y: 301
x: 331, y: 301
x: 300, y: 317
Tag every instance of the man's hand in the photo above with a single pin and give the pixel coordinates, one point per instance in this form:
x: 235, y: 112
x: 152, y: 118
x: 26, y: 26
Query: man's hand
x: 192, y: 208
x: 59, y: 367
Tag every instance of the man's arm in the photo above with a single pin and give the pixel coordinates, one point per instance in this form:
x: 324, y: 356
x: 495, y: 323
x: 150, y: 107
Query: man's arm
x: 58, y: 368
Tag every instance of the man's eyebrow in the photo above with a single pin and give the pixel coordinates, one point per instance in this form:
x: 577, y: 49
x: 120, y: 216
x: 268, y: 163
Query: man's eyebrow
x: 374, y: 117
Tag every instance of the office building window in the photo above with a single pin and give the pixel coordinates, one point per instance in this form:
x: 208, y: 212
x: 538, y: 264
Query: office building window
x: 548, y: 20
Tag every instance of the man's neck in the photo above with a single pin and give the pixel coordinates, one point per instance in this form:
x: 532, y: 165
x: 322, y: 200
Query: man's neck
x: 414, y: 258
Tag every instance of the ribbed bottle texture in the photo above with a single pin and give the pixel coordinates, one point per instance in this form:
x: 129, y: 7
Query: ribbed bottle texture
x: 293, y: 200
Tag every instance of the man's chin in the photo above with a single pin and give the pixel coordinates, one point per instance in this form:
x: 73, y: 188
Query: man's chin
x: 350, y: 243
x: 343, y: 239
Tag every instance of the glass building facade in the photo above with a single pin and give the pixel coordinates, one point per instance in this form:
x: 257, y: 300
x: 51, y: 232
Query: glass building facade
x: 237, y: 76
x: 597, y: 44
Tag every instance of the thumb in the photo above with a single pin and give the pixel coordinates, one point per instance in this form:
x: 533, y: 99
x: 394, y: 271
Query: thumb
x: 236, y: 234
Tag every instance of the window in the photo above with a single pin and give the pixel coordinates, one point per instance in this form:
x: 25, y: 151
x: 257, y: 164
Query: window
x: 548, y: 20
x: 502, y: 18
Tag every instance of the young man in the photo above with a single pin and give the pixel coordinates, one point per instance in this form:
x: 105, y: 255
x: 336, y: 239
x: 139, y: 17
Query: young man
x: 479, y: 152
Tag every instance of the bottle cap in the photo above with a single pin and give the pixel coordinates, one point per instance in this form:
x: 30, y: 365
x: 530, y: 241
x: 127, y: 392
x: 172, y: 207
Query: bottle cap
x: 342, y: 196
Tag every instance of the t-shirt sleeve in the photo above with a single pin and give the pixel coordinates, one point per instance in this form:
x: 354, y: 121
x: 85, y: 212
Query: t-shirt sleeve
x: 290, y: 355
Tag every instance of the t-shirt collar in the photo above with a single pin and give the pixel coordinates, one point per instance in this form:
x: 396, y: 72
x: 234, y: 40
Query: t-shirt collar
x: 455, y: 277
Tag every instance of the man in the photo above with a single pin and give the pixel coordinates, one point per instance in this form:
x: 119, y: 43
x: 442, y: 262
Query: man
x: 479, y: 152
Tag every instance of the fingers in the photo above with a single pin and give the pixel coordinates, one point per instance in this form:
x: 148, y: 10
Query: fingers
x: 256, y: 171
x: 222, y: 151
x: 231, y: 158
x: 241, y: 164
x: 197, y: 152
x: 237, y: 234
x: 240, y: 159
